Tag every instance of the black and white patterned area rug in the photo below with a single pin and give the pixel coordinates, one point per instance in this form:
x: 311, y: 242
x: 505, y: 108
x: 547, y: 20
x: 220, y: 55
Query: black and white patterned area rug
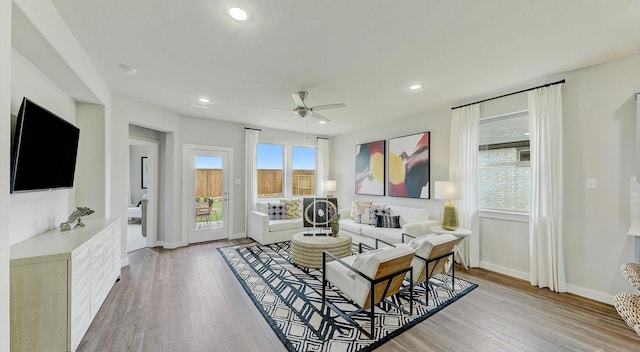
x: 290, y: 299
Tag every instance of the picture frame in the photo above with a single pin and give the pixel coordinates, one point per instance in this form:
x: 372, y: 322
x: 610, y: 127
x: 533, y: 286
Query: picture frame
x: 408, y: 160
x: 370, y: 166
x: 144, y: 168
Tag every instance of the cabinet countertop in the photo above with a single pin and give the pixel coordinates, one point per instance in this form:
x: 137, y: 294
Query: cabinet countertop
x: 56, y: 243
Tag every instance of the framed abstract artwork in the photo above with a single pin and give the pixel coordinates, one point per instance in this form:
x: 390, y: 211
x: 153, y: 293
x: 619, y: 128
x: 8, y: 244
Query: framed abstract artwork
x: 370, y: 168
x: 408, y: 160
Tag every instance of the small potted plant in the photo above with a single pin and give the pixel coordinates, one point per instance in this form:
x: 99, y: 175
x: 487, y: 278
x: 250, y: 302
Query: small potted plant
x: 335, y: 224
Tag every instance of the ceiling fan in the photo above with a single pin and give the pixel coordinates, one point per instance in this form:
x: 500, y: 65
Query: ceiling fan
x: 302, y: 110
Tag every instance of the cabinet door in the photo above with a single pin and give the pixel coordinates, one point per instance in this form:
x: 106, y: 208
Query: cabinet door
x: 80, y: 295
x: 97, y: 273
x: 39, y: 296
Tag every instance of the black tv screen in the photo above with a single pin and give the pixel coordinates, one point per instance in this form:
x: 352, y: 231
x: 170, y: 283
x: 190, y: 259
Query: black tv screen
x: 44, y: 149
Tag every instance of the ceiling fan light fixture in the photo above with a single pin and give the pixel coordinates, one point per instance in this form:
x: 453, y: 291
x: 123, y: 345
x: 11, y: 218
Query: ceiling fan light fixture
x: 204, y: 100
x: 238, y: 14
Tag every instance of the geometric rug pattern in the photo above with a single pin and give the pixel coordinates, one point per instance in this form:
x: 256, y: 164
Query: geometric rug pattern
x: 290, y: 299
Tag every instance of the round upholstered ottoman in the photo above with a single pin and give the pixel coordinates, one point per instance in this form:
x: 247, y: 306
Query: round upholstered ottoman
x: 307, y: 250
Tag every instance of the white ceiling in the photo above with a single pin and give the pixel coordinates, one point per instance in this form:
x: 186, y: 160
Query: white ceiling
x: 364, y: 53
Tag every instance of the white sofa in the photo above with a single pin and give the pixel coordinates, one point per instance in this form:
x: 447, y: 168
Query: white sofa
x: 266, y: 231
x: 413, y: 222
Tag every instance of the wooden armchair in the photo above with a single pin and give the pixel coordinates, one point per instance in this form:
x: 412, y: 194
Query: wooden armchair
x: 367, y: 279
x: 431, y: 254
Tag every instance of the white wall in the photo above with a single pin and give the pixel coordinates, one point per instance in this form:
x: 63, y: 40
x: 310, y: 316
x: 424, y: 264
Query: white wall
x: 32, y: 213
x: 343, y: 156
x: 5, y: 127
x: 126, y: 111
x: 90, y: 181
x: 599, y: 141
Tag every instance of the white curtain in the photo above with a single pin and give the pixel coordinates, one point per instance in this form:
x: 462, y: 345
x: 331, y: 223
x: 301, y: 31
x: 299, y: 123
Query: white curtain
x: 463, y: 168
x: 251, y: 171
x: 322, y: 173
x: 545, y: 208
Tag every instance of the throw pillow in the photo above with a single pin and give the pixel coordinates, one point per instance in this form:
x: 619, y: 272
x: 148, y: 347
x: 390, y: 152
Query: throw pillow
x: 294, y: 208
x: 277, y: 211
x: 361, y: 259
x: 388, y: 221
x: 355, y: 207
x: 363, y: 211
x: 374, y: 211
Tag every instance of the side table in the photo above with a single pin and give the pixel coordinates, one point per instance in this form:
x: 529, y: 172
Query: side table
x: 461, y: 234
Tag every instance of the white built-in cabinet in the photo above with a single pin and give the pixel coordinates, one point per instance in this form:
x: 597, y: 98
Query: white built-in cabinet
x: 59, y: 280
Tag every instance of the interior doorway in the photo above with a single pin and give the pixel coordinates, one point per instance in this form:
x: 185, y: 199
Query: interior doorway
x: 142, y: 208
x: 207, y: 205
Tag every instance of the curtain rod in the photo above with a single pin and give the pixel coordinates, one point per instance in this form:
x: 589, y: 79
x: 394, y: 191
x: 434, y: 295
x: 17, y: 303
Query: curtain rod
x: 255, y: 129
x: 508, y: 94
x: 322, y: 138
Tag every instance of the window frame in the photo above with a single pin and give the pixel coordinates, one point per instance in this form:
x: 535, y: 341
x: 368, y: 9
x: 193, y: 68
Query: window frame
x: 287, y: 174
x: 523, y: 145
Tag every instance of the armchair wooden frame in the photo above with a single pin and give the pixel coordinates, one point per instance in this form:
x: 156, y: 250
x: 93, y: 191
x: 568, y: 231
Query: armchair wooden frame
x: 387, y: 282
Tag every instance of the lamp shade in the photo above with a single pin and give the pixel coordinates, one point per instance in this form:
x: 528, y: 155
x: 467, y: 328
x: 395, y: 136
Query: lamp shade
x: 447, y: 190
x: 329, y: 185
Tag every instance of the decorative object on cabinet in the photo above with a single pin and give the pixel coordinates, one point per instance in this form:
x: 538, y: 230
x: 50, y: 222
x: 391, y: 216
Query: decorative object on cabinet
x: 76, y: 216
x: 409, y: 171
x: 370, y: 168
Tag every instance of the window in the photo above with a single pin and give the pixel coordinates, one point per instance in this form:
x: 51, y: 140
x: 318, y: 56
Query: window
x: 270, y: 170
x: 303, y: 171
x: 504, y: 172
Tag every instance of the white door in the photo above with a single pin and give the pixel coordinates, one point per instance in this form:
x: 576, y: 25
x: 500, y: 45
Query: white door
x: 207, y: 191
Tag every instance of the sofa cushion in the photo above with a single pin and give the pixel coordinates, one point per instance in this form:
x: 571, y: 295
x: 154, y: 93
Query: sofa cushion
x: 294, y: 208
x: 277, y: 211
x: 408, y: 215
x: 286, y: 224
x: 351, y: 226
x: 388, y: 235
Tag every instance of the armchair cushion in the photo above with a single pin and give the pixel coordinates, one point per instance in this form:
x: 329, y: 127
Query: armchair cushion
x: 356, y: 287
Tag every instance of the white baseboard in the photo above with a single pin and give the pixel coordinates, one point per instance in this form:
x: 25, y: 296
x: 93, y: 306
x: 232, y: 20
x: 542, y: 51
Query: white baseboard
x: 237, y: 235
x: 174, y: 245
x: 591, y: 294
x: 576, y: 290
x: 504, y: 270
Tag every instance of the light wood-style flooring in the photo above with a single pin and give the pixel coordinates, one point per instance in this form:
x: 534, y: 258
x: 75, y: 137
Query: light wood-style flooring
x: 187, y: 299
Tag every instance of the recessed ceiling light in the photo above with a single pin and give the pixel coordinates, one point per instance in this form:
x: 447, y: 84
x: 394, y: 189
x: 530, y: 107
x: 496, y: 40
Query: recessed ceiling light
x: 415, y: 86
x: 322, y: 122
x: 238, y: 14
x: 128, y: 70
x: 527, y: 134
x: 204, y: 100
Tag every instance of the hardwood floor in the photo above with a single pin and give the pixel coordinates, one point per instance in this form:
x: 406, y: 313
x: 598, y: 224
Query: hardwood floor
x: 187, y: 299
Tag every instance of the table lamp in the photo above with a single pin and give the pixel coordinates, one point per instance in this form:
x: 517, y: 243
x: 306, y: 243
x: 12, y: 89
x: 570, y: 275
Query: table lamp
x: 329, y: 187
x: 448, y: 190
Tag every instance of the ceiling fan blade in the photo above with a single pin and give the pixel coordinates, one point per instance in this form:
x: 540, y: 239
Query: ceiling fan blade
x: 321, y: 119
x: 274, y: 110
x: 297, y: 99
x: 328, y: 106
x: 291, y: 118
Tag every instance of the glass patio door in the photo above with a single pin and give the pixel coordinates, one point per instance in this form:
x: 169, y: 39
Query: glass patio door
x: 208, y: 195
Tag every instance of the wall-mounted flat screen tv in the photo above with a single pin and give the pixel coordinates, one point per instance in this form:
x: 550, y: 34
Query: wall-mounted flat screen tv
x: 44, y: 150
